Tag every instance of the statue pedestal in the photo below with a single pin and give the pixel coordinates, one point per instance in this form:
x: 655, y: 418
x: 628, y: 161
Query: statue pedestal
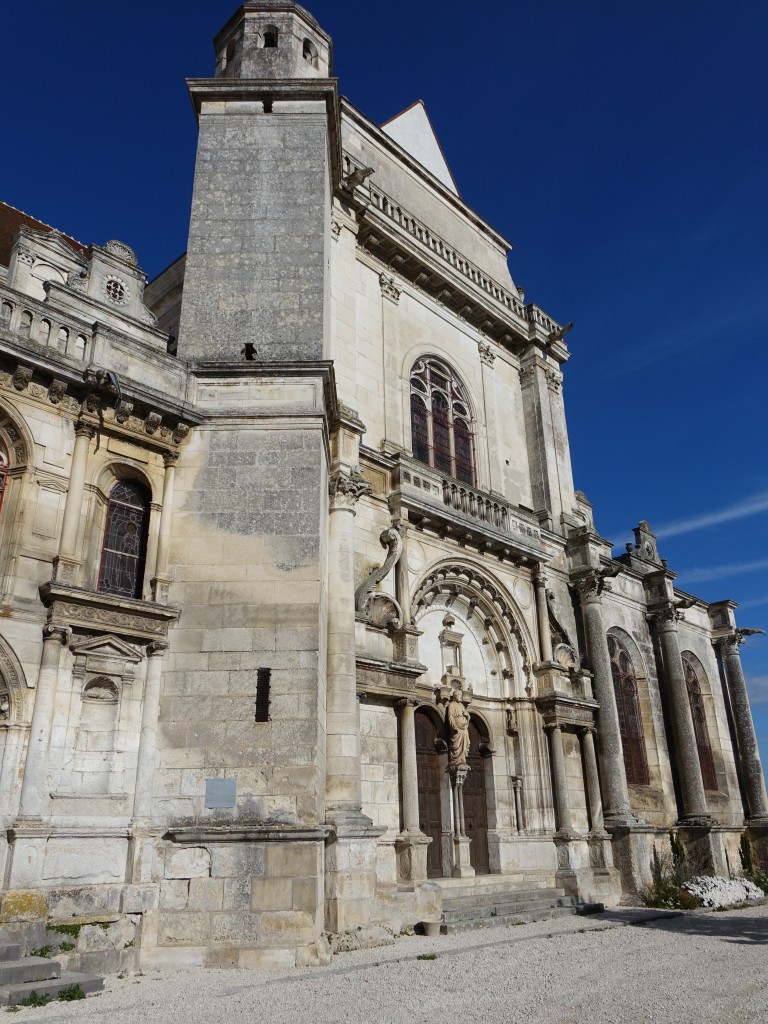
x: 461, y: 864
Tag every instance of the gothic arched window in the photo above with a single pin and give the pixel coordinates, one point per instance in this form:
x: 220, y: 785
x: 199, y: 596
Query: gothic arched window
x: 125, y: 540
x: 628, y: 706
x: 699, y: 716
x: 441, y: 434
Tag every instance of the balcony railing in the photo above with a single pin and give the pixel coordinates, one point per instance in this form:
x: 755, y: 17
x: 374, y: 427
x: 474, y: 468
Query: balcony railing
x: 485, y: 512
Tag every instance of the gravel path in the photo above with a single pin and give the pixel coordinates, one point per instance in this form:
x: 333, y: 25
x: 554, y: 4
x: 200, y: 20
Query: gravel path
x: 700, y: 967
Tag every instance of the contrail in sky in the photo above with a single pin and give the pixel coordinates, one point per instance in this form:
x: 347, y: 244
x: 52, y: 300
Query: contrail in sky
x: 720, y: 572
x: 740, y: 510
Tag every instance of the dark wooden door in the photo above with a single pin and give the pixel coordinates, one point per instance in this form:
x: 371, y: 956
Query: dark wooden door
x: 476, y: 804
x: 428, y: 775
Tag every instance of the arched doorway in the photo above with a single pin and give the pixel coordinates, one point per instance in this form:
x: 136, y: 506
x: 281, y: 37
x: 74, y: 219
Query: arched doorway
x: 429, y: 783
x: 476, y: 803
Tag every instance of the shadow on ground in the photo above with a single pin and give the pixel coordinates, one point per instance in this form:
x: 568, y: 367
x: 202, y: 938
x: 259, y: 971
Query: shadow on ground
x: 742, y: 927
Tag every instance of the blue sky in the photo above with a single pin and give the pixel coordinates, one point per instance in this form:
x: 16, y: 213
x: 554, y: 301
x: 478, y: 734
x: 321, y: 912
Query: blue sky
x: 621, y: 148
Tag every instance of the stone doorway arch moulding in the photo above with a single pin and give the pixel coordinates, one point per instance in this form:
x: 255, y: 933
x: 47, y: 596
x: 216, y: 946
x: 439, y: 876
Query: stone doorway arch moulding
x: 487, y: 599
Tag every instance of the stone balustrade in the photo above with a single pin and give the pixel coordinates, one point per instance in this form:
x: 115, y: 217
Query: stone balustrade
x: 28, y: 318
x: 427, y: 237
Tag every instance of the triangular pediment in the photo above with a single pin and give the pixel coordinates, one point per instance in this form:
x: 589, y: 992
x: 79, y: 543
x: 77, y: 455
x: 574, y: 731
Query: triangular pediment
x: 105, y: 647
x: 53, y: 242
x: 413, y: 130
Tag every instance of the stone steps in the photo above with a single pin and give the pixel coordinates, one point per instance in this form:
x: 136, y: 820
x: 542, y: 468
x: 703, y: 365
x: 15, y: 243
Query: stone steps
x: 497, y: 904
x: 20, y: 977
x: 11, y: 995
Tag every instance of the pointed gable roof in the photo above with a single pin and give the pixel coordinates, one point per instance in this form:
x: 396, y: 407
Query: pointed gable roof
x: 413, y: 130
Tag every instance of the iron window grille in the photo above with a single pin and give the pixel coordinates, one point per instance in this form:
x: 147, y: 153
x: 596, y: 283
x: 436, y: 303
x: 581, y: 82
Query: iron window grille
x: 125, y: 540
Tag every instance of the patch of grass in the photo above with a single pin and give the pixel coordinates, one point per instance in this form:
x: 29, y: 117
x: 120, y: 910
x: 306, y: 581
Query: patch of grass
x: 130, y: 944
x: 733, y: 906
x: 65, y: 947
x: 12, y: 1009
x: 427, y: 956
x: 33, y: 999
x: 41, y: 951
x: 71, y: 993
x: 494, y: 912
x: 105, y: 925
x: 65, y: 929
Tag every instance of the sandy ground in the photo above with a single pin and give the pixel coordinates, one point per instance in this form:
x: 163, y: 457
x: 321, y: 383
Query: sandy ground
x: 605, y: 969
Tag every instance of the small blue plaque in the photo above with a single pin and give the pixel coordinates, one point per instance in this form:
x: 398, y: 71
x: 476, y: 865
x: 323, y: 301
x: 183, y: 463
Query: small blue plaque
x: 220, y: 792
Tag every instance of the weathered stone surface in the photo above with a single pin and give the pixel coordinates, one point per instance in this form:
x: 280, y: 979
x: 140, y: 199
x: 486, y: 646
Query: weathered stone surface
x: 194, y: 862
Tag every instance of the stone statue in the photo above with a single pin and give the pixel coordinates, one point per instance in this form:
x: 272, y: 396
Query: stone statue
x: 457, y: 720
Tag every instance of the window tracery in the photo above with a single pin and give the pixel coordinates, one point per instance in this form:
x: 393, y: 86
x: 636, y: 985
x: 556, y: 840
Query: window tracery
x: 125, y: 540
x: 699, y: 716
x: 630, y: 720
x: 441, y: 433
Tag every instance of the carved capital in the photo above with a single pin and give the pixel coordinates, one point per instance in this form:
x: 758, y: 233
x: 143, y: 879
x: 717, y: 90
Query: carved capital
x: 157, y: 648
x: 346, y: 489
x: 407, y: 702
x: 335, y: 229
x: 554, y: 380
x: 527, y: 374
x: 170, y: 459
x: 666, y: 616
x: 390, y: 289
x: 83, y: 428
x: 60, y: 634
x: 731, y: 642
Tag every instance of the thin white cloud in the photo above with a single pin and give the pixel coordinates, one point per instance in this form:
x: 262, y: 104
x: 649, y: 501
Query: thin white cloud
x: 739, y: 510
x: 754, y: 603
x: 757, y: 687
x: 707, y: 573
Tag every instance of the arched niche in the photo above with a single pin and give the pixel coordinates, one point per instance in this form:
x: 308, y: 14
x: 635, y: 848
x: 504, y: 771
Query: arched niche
x: 490, y: 638
x: 630, y: 679
x: 703, y: 715
x: 13, y: 685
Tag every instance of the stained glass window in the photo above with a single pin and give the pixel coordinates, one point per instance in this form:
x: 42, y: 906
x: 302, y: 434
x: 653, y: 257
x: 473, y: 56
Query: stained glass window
x: 630, y: 720
x: 441, y: 435
x: 125, y: 540
x: 699, y: 716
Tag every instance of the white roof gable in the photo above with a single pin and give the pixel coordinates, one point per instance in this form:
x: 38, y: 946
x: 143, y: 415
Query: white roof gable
x: 413, y: 130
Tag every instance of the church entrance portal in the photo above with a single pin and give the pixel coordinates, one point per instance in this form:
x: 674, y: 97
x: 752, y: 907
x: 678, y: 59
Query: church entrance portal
x: 476, y: 804
x: 429, y: 783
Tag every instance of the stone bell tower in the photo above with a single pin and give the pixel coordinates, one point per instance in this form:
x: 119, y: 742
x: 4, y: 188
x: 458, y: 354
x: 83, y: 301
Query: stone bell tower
x: 251, y: 496
x: 268, y: 154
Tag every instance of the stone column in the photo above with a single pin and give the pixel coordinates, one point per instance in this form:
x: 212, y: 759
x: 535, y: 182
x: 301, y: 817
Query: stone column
x: 749, y: 756
x: 616, y: 794
x: 343, y: 793
x: 517, y: 786
x: 542, y: 614
x: 411, y: 845
x: 462, y: 866
x: 562, y: 804
x: 150, y: 708
x: 593, y: 780
x: 685, y: 749
x: 160, y: 581
x: 33, y: 786
x: 66, y: 565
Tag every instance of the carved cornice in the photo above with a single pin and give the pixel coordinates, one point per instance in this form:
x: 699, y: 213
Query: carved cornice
x: 72, y: 607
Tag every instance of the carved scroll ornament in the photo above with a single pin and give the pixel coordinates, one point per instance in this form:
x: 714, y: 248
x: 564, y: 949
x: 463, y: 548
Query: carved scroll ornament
x: 390, y: 539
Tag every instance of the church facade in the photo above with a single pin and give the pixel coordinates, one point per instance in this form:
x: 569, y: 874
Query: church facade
x: 303, y: 624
